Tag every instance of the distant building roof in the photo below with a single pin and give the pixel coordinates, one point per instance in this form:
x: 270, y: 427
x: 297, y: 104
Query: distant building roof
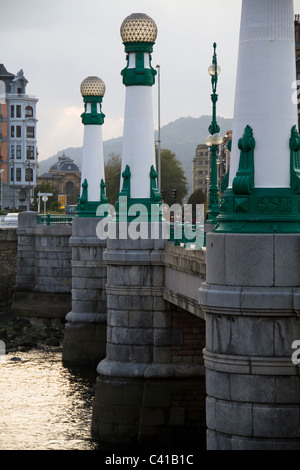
x: 5, y: 73
x: 49, y: 175
x: 64, y: 164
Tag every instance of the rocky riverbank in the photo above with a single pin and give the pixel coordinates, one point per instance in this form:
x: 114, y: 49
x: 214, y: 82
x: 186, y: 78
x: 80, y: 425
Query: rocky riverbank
x: 22, y: 334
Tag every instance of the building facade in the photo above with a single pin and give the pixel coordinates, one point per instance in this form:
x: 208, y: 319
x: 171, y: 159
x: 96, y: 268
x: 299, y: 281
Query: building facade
x: 201, y: 165
x: 200, y: 170
x: 18, y: 142
x: 64, y: 177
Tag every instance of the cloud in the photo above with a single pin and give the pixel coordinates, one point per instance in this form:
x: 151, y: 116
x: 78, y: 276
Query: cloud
x: 62, y: 129
x: 66, y: 130
x: 112, y: 128
x: 73, y: 111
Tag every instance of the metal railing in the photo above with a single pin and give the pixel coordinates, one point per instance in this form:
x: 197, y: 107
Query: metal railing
x: 49, y: 219
x: 187, y: 235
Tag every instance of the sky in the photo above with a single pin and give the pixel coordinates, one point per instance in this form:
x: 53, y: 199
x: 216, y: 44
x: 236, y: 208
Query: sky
x: 60, y: 43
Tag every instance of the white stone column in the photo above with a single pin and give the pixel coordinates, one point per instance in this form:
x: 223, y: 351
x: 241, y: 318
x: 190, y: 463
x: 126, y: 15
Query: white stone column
x: 92, y: 160
x: 92, y: 173
x: 263, y: 98
x: 138, y: 139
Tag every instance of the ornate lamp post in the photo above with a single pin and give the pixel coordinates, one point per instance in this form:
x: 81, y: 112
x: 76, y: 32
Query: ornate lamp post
x: 12, y: 165
x: 213, y: 141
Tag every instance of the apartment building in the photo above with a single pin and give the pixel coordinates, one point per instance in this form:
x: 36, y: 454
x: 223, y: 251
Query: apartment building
x: 18, y: 142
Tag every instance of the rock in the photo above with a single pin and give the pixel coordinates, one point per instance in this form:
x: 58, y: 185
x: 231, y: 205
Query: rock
x: 52, y: 342
x: 28, y: 342
x: 22, y: 322
x: 3, y: 333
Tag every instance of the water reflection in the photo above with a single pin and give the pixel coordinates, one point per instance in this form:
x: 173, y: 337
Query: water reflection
x: 44, y: 405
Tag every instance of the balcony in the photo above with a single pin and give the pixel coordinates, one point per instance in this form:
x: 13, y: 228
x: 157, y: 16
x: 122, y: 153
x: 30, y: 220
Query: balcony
x: 16, y: 96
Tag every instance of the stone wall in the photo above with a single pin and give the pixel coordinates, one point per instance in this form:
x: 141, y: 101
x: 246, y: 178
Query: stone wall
x: 44, y: 277
x: 8, y: 263
x: 191, y: 339
x: 185, y: 271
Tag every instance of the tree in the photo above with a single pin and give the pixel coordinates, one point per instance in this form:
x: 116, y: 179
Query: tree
x: 112, y: 177
x: 172, y: 177
x: 197, y: 197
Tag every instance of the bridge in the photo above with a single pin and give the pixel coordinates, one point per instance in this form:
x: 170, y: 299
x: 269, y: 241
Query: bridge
x: 187, y: 342
x: 130, y: 312
x: 139, y: 316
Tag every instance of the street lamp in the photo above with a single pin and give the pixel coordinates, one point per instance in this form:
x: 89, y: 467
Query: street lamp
x: 12, y: 165
x: 159, y: 162
x: 213, y: 141
x: 28, y: 166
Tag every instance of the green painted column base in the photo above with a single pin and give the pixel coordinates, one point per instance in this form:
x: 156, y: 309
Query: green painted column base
x: 87, y: 209
x: 265, y: 210
x: 139, y: 209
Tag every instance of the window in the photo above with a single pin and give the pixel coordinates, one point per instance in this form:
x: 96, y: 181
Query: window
x: 12, y: 131
x: 12, y: 151
x: 19, y: 131
x: 30, y: 132
x: 30, y: 152
x: 19, y: 152
x: 18, y: 174
x: 29, y: 111
x: 200, y: 172
x: 12, y: 174
x: 18, y: 113
x: 19, y: 90
x: 12, y: 111
x: 29, y: 174
x: 69, y: 187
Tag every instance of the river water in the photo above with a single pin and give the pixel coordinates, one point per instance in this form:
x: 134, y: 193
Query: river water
x: 44, y: 405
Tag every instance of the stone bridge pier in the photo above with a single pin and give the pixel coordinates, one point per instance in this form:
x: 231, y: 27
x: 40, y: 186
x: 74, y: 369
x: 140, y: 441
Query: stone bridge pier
x: 85, y: 328
x: 150, y: 388
x: 252, y: 319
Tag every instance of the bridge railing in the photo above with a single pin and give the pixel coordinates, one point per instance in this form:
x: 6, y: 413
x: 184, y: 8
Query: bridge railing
x: 49, y: 219
x: 188, y: 235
